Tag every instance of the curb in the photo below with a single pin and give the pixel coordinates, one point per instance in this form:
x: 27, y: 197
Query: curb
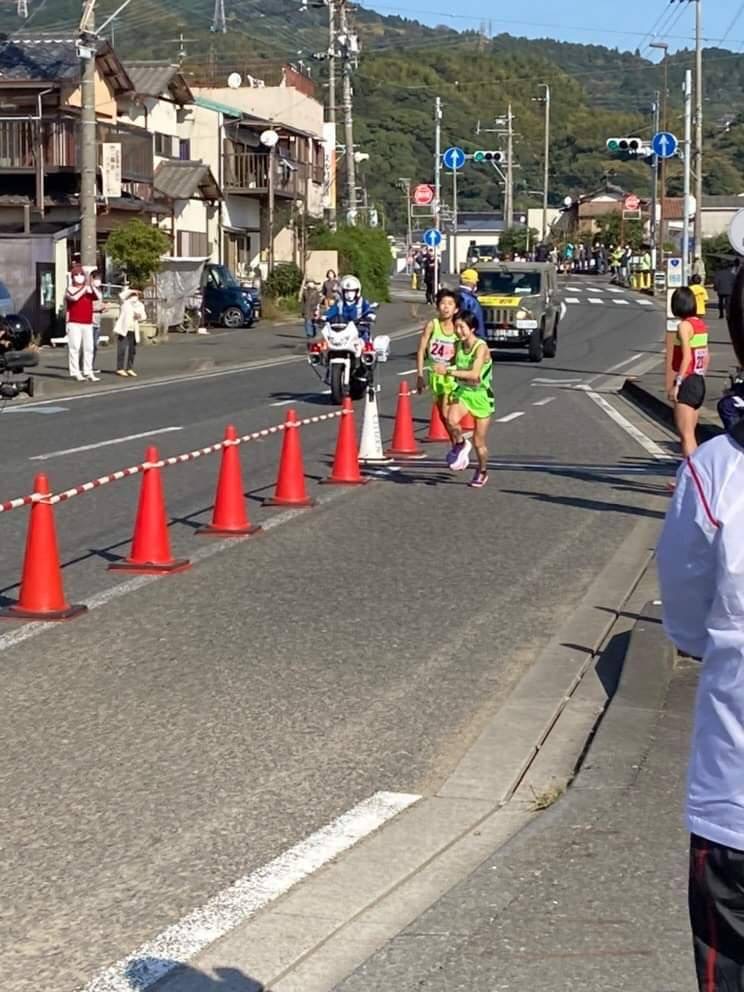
x: 660, y: 410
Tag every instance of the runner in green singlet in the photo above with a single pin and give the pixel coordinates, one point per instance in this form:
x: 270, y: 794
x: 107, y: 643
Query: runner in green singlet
x: 437, y: 346
x: 473, y: 393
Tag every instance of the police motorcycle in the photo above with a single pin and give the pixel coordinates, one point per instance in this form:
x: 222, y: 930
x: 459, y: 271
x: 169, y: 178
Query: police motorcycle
x: 346, y: 356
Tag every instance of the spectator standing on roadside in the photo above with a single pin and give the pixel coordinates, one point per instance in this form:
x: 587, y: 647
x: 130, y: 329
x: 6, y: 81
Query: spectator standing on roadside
x: 429, y: 275
x: 723, y: 283
x: 469, y: 302
x: 698, y: 268
x: 98, y: 307
x: 127, y: 330
x: 701, y: 295
x: 311, y: 301
x: 80, y: 297
x: 331, y: 289
x: 701, y: 579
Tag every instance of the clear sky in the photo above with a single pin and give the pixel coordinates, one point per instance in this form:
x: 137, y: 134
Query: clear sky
x: 626, y: 25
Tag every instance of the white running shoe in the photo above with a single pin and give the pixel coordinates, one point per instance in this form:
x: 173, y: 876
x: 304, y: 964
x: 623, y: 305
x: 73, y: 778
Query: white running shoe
x: 92, y: 377
x: 463, y: 459
x: 78, y: 377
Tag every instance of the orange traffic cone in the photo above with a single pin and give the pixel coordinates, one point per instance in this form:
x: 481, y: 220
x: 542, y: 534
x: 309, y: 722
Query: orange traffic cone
x: 290, y: 484
x: 229, y: 516
x: 42, y: 595
x: 346, y: 461
x: 151, y: 551
x: 404, y: 442
x: 437, y: 427
x: 467, y: 423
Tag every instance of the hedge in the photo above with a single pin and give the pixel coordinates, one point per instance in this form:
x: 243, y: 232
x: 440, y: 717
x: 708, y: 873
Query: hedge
x: 363, y: 252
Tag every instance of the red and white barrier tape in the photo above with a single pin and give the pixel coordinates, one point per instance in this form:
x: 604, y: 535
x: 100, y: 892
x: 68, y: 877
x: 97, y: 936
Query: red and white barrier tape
x: 188, y: 456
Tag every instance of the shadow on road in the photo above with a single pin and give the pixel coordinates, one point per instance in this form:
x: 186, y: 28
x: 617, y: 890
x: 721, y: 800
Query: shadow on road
x: 141, y: 972
x: 599, y: 505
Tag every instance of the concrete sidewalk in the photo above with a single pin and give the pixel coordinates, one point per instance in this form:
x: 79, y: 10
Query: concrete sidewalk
x: 592, y: 894
x: 189, y: 354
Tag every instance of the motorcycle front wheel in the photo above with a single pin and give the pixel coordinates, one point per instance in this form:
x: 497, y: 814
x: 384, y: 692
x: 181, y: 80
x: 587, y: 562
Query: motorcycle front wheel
x: 337, y: 384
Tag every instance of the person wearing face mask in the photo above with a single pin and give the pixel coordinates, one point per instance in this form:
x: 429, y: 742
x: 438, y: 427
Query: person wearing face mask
x: 98, y: 307
x: 80, y: 297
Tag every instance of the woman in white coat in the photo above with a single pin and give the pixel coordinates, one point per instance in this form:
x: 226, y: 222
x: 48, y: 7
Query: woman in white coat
x: 701, y: 573
x: 127, y: 331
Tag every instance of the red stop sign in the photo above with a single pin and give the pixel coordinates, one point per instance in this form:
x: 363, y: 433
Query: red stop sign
x: 632, y: 202
x: 423, y: 195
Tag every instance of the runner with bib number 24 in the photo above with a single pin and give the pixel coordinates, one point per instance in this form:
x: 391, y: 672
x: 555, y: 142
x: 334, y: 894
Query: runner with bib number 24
x: 437, y: 346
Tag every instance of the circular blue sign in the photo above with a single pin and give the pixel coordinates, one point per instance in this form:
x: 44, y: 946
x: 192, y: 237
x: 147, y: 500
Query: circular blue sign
x: 453, y: 158
x: 664, y: 144
x: 432, y: 237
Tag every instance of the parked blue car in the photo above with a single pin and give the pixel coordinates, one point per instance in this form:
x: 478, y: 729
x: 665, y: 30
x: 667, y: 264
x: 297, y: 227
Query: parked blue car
x: 6, y: 303
x: 225, y: 301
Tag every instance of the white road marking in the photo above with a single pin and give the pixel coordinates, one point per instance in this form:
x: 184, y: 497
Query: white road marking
x: 613, y: 289
x: 102, y: 444
x: 607, y: 374
x: 575, y: 289
x: 548, y: 399
x: 573, y: 299
x: 595, y: 299
x: 597, y: 289
x: 624, y: 303
x: 553, y: 382
x: 408, y: 372
x: 34, y: 409
x: 245, y: 897
x: 285, y: 402
x: 510, y: 416
x: 645, y: 303
x: 645, y: 442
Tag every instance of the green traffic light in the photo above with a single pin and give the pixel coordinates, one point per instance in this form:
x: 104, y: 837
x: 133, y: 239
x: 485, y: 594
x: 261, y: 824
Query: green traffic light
x: 613, y: 145
x: 479, y: 157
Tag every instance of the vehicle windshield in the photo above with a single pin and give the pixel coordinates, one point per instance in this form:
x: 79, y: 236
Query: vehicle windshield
x: 476, y: 251
x: 507, y: 283
x: 221, y: 277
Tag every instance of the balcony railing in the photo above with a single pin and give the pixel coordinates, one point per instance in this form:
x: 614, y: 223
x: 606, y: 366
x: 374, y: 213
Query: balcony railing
x: 59, y: 139
x: 248, y: 172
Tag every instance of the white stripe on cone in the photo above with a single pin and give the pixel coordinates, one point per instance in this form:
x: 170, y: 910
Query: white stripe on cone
x: 370, y: 447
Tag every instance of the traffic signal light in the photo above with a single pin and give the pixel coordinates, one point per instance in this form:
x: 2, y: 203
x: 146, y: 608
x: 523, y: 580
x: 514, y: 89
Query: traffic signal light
x: 624, y: 146
x: 489, y: 156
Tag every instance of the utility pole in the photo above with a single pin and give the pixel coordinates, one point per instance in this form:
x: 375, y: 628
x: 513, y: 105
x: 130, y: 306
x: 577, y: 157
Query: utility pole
x: 437, y: 180
x: 509, y: 192
x: 348, y: 48
x: 686, y: 189
x: 546, y: 162
x: 698, y: 126
x: 332, y: 108
x: 655, y: 195
x: 88, y: 143
x: 405, y: 185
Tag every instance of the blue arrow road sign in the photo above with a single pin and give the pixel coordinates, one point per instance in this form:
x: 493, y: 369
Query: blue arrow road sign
x: 664, y: 144
x: 432, y: 237
x: 453, y: 158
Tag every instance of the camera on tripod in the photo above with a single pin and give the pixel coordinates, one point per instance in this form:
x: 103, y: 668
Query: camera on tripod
x: 15, y: 338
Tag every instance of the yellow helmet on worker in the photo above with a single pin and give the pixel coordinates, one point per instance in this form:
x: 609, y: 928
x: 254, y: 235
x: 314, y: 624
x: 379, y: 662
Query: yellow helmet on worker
x: 469, y: 277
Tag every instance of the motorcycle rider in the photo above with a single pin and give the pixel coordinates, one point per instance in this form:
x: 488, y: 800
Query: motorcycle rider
x: 352, y: 306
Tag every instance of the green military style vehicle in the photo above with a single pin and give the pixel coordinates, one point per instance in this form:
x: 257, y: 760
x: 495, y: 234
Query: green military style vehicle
x: 521, y: 306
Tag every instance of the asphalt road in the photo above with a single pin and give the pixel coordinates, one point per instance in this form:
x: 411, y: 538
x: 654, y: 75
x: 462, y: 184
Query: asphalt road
x: 191, y: 729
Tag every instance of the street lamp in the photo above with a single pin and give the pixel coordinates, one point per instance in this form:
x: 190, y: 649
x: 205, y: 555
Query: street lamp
x: 270, y: 140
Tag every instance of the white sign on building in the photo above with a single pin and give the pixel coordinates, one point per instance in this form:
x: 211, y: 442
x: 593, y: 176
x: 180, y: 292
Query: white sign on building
x: 110, y: 169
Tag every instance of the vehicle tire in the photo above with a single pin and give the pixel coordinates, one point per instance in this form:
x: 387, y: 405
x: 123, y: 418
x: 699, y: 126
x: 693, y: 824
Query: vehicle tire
x: 535, y: 349
x: 550, y: 347
x: 357, y: 388
x: 232, y: 317
x: 337, y: 384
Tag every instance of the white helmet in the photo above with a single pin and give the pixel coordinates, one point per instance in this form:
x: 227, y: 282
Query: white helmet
x: 351, y: 289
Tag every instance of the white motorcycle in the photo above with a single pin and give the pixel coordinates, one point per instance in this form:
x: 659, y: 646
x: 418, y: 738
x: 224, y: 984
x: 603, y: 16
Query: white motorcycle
x: 350, y: 361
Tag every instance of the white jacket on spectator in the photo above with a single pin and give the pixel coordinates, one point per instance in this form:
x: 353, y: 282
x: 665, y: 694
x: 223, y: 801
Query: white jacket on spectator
x: 700, y: 560
x: 131, y: 315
